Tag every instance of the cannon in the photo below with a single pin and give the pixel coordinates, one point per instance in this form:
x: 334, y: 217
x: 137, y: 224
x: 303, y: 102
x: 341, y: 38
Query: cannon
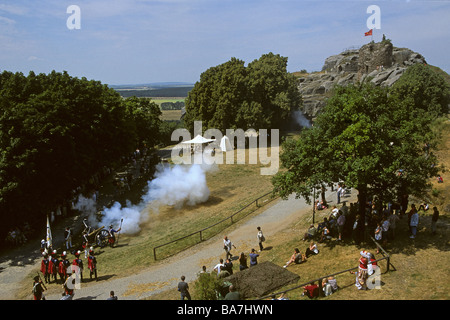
x: 99, y: 236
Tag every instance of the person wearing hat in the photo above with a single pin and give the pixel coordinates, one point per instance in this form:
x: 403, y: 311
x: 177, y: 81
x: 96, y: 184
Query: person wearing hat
x: 361, y: 274
x: 79, y: 263
x: 64, y: 264
x: 92, y: 264
x: 112, y: 235
x: 43, y: 246
x: 44, y: 267
x: 53, y: 265
x: 38, y: 289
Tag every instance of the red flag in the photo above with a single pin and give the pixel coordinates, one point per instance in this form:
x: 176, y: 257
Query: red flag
x: 369, y: 33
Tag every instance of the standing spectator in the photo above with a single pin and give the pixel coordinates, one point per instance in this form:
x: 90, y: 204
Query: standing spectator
x: 253, y: 258
x: 227, y: 245
x: 357, y: 232
x: 385, y: 226
x: 393, y: 219
x: 338, y: 193
x: 261, y: 239
x: 183, y: 288
x: 228, y: 266
x: 434, y: 220
x: 414, y: 222
x: 340, y: 224
x: 243, y: 262
x: 410, y: 213
x: 218, y: 267
x: 378, y: 234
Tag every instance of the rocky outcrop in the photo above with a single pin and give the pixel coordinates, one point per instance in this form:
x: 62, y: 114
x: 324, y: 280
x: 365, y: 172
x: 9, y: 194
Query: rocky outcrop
x: 379, y: 63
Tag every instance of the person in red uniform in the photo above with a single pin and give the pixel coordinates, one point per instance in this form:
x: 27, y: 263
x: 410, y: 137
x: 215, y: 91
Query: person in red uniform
x: 79, y: 263
x: 62, y: 267
x: 44, y: 267
x: 53, y: 266
x: 92, y: 264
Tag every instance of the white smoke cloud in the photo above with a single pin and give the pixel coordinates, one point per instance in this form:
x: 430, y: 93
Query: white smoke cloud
x: 301, y: 119
x: 175, y: 185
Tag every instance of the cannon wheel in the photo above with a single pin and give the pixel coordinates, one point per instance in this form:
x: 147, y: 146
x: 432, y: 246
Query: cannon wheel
x: 102, y: 238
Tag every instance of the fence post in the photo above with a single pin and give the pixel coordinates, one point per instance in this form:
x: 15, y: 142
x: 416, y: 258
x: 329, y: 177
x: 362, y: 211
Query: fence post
x: 154, y: 253
x: 201, y: 239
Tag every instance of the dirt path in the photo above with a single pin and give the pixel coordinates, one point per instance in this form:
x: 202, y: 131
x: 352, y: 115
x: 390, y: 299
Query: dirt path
x: 165, y: 275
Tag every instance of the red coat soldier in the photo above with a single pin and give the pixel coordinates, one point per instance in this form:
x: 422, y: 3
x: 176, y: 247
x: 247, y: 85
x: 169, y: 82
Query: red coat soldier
x: 44, y: 267
x: 53, y: 265
x: 92, y: 264
x: 62, y: 267
x: 79, y: 263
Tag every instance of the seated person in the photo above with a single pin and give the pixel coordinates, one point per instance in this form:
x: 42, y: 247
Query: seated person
x: 311, y: 290
x: 311, y: 250
x: 311, y: 233
x: 297, y: 258
x: 323, y: 224
x: 332, y: 281
x: 320, y: 205
x: 326, y: 235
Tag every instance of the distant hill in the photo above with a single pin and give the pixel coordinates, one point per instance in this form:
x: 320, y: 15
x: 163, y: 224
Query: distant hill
x: 153, y: 90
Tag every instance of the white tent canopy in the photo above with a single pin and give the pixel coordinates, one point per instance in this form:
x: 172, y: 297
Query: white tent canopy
x: 199, y: 139
x: 225, y: 144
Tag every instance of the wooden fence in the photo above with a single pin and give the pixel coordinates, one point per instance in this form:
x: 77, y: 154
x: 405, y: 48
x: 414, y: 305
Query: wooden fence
x: 238, y: 215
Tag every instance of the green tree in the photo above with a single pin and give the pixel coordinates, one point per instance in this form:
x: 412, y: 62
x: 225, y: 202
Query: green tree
x: 366, y: 138
x: 230, y: 95
x: 56, y: 132
x: 144, y: 120
x: 424, y: 88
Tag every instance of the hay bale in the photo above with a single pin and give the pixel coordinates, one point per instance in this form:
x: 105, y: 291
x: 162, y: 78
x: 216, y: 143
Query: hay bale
x: 262, y: 279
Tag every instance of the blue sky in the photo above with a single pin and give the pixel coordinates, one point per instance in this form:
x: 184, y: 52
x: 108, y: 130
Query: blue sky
x: 143, y: 41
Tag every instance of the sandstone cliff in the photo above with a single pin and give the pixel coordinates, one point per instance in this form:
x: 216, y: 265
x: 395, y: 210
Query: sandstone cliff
x: 380, y: 63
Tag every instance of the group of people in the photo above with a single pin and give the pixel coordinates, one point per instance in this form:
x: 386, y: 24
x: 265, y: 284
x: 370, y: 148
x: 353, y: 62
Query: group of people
x: 299, y: 257
x: 60, y: 270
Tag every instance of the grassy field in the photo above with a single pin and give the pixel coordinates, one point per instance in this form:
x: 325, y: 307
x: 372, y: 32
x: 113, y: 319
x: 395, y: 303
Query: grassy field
x: 171, y: 115
x: 421, y: 265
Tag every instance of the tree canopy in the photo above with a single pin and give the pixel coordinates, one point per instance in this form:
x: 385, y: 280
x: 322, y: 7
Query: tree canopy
x: 56, y: 132
x: 231, y: 95
x: 369, y: 138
